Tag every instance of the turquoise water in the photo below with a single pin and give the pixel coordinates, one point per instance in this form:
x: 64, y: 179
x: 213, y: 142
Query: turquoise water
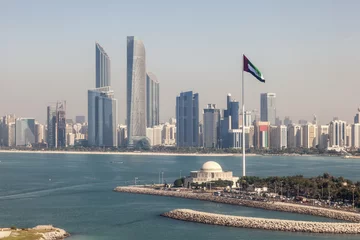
x: 74, y: 192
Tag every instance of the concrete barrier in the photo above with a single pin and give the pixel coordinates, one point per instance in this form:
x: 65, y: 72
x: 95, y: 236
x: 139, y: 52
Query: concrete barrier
x: 276, y: 206
x: 263, y: 223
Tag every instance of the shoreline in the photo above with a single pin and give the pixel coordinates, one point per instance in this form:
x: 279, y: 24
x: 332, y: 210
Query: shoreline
x: 262, y: 223
x: 130, y: 153
x: 138, y: 153
x: 275, y: 206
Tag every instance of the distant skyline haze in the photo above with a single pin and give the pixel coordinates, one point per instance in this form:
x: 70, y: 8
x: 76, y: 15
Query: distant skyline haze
x: 308, y: 52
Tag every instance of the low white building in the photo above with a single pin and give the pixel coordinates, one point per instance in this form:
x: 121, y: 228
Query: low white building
x: 210, y: 171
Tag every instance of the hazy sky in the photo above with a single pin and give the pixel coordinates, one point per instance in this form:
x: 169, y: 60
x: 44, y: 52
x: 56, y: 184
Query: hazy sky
x: 307, y: 50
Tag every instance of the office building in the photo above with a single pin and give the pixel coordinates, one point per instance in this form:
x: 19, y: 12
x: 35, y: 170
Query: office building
x: 102, y: 118
x: 268, y: 108
x: 233, y: 110
x: 295, y: 136
x: 337, y: 133
x: 310, y: 133
x: 80, y: 119
x: 225, y: 126
x: 211, y: 126
x: 355, y: 128
x: 56, y: 124
x: 24, y: 131
x: 152, y: 100
x: 136, y: 91
x: 323, y: 136
x: 187, y: 119
x: 102, y: 64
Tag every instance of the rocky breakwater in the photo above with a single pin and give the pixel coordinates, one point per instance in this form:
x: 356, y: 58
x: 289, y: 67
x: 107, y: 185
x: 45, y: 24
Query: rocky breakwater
x: 263, y: 223
x: 51, y: 233
x: 276, y: 206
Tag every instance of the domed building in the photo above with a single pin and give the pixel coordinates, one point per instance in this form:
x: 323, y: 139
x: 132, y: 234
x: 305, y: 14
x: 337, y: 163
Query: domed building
x: 210, y: 171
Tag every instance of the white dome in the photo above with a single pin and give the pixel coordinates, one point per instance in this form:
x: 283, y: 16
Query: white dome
x: 211, y: 166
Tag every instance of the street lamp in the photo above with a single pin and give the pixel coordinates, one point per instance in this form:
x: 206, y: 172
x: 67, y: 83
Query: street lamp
x: 135, y: 180
x: 353, y: 192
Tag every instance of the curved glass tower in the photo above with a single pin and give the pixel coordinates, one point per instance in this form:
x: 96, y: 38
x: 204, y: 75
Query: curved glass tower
x: 136, y: 90
x: 102, y: 67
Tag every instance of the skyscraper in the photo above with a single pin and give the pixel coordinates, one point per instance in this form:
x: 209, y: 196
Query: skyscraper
x: 102, y: 117
x: 61, y: 123
x: 187, y: 119
x: 51, y: 126
x: 103, y: 75
x: 25, y: 131
x: 211, y: 126
x: 268, y: 107
x: 136, y: 91
x: 152, y: 100
x: 355, y: 128
x: 56, y: 124
x: 323, y: 136
x: 310, y: 134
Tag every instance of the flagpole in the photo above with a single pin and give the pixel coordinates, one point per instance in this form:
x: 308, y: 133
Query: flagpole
x: 243, y: 121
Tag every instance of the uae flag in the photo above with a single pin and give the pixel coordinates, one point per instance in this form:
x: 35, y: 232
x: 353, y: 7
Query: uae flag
x: 250, y: 68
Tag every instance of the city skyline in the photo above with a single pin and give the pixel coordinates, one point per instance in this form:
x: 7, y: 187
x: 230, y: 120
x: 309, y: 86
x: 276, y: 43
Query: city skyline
x: 310, y: 77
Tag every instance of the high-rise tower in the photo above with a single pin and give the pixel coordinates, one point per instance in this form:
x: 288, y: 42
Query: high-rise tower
x: 103, y: 75
x: 268, y: 107
x: 152, y: 100
x: 136, y: 91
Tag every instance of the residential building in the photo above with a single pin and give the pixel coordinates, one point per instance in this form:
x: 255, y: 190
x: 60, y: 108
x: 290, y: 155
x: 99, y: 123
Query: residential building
x: 136, y: 91
x: 287, y: 121
x: 268, y: 108
x: 248, y: 119
x: 24, y: 131
x: 348, y: 136
x: 235, y: 137
x: 278, y: 137
x: 122, y: 135
x: 102, y: 117
x: 337, y: 133
x: 102, y: 64
x: 262, y: 134
x: 310, y: 135
x: 152, y: 100
x: 39, y: 133
x: 355, y: 128
x: 187, y: 119
x: 169, y: 134
x: 357, y: 116
x: 225, y: 126
x: 295, y: 136
x: 211, y: 126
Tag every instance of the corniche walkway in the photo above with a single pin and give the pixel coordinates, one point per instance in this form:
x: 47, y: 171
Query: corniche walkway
x: 263, y: 223
x: 276, y: 206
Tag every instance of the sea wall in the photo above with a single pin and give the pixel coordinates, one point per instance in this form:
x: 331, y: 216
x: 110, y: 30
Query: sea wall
x: 263, y: 223
x: 276, y: 206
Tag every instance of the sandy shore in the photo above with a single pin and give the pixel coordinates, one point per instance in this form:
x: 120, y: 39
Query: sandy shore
x: 129, y: 153
x: 263, y: 223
